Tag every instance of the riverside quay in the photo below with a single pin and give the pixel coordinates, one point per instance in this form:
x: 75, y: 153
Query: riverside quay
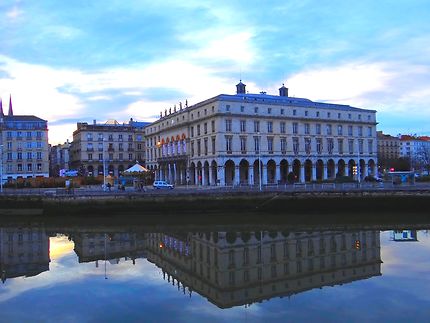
x: 253, y: 139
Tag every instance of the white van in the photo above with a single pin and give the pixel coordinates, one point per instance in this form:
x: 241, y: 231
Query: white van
x: 162, y: 184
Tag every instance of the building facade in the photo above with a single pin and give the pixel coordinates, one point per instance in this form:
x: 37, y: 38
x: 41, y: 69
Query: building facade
x: 388, y: 146
x: 115, y: 145
x: 59, y: 158
x: 243, y: 139
x: 24, y: 145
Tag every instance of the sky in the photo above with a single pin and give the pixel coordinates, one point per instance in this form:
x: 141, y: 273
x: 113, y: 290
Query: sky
x: 76, y: 61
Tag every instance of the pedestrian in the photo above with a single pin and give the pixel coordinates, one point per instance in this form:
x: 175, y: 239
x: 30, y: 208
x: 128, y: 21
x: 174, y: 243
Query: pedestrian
x: 108, y: 186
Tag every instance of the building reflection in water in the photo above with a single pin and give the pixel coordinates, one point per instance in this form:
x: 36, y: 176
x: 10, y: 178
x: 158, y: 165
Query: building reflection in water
x: 228, y: 268
x: 23, y: 252
x: 241, y: 268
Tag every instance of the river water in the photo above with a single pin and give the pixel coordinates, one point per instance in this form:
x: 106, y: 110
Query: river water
x: 111, y: 274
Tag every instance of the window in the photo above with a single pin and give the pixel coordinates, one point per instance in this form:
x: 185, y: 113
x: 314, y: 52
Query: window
x: 256, y: 126
x: 369, y: 131
x: 318, y: 129
x: 9, y: 145
x: 243, y: 145
x: 360, y: 131
x: 228, y: 144
x: 29, y: 155
x: 111, y: 156
x: 242, y: 125
x: 100, y: 157
x: 110, y: 137
x: 328, y: 114
x: 269, y: 126
x: 308, y: 145
x: 328, y: 128
x: 39, y: 155
x: 318, y: 114
x: 90, y: 156
x: 205, y: 147
x: 307, y: 128
x: 39, y: 167
x: 29, y: 167
x: 192, y: 148
x: 228, y: 125
x: 349, y: 116
x: 242, y: 108
x: 19, y: 156
x: 296, y: 145
x: 319, y: 145
x: 360, y: 146
x: 282, y: 111
x: 227, y: 107
x: 349, y: 130
x: 255, y: 109
x: 330, y: 145
x: 270, y: 145
x: 295, y: 128
x: 294, y: 112
x: 359, y: 117
x: 282, y: 127
x: 269, y: 110
x: 198, y: 147
x: 340, y: 146
x: 9, y: 157
x: 283, y: 145
x: 213, y: 125
x: 257, y: 144
x: 205, y: 128
x: 198, y: 130
x: 213, y: 145
x: 340, y: 130
x: 351, y: 146
x: 370, y: 146
x: 339, y: 115
x: 19, y: 167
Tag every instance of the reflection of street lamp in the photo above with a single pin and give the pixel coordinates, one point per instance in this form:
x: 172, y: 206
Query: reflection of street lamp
x: 105, y: 254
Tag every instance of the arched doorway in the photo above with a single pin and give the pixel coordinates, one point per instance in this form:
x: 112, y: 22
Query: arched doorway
x: 341, y: 168
x: 120, y: 170
x: 192, y: 176
x: 283, y: 170
x: 351, y: 164
x: 100, y: 170
x: 243, y: 172
x: 371, y: 167
x: 330, y: 169
x: 214, y: 170
x: 319, y: 170
x: 271, y: 172
x: 308, y: 170
x: 257, y: 171
x: 296, y: 170
x: 362, y: 169
x: 206, y: 173
x: 229, y: 172
x: 199, y: 173
x: 90, y: 170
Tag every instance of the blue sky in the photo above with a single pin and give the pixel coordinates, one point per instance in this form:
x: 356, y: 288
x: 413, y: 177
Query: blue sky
x: 84, y: 60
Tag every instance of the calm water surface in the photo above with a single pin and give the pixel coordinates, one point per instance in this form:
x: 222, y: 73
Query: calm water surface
x: 116, y: 275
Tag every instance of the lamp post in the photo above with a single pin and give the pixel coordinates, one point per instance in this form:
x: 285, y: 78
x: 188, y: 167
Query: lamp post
x: 104, y: 166
x: 1, y: 169
x: 259, y: 161
x: 358, y: 161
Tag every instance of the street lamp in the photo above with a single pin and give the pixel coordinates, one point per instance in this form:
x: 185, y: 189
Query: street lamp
x: 259, y: 161
x: 1, y: 169
x: 358, y: 161
x: 104, y: 165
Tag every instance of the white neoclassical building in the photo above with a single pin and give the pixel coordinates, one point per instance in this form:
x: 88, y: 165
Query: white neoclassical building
x: 223, y: 140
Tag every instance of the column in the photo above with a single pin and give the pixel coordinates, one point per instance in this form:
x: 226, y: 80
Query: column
x: 211, y: 183
x: 264, y: 173
x: 181, y: 175
x: 203, y: 176
x: 278, y: 174
x: 302, y: 173
x: 366, y: 170
x: 196, y: 176
x: 325, y: 173
x: 251, y: 179
x: 236, y: 180
x: 314, y: 172
x: 221, y: 175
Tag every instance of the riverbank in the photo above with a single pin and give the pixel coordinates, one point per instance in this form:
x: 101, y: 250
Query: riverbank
x: 344, y: 202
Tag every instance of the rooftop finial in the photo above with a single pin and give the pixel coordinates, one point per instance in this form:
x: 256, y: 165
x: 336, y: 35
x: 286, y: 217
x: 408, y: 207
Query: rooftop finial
x: 1, y: 108
x: 10, y: 112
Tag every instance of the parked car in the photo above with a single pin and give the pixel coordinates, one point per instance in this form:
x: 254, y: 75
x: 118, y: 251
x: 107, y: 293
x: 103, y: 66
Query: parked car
x: 162, y: 184
x: 372, y: 179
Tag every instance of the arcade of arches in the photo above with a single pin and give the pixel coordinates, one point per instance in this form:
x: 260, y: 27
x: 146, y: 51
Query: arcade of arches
x: 246, y: 171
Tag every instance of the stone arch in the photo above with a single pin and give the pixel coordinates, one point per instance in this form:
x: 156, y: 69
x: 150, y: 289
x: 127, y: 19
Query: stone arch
x: 111, y: 170
x: 296, y: 170
x: 243, y: 172
x: 271, y: 171
x: 308, y: 170
x: 319, y: 170
x: 362, y: 168
x: 229, y: 172
x: 283, y: 167
x: 331, y: 169
x: 371, y: 167
x: 341, y: 167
